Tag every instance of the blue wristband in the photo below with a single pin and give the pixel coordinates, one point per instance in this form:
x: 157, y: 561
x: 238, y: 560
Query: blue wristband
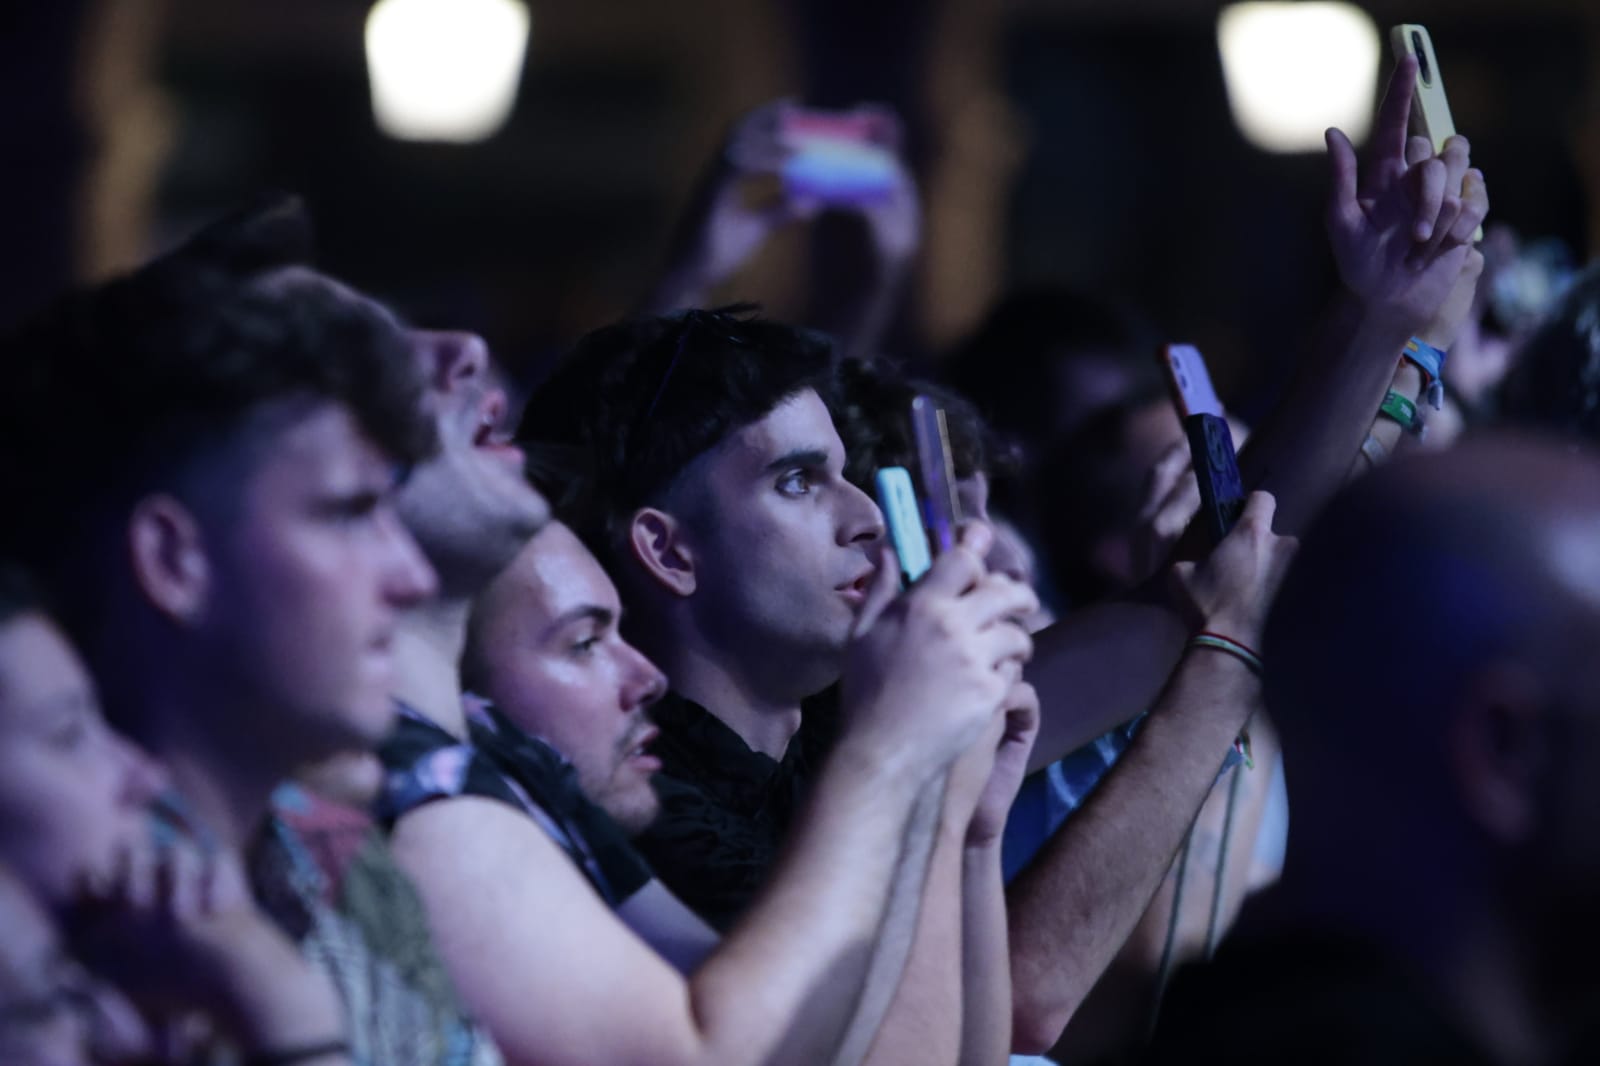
x: 1430, y: 360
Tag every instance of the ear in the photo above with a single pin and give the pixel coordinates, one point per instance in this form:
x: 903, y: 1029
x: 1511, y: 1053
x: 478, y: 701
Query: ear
x: 170, y: 566
x: 658, y: 543
x: 1497, y: 749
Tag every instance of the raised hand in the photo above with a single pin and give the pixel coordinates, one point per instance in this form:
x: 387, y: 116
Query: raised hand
x: 719, y: 232
x: 1401, y: 229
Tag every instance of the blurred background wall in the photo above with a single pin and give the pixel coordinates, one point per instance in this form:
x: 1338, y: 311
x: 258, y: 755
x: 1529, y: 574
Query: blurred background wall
x: 1057, y: 140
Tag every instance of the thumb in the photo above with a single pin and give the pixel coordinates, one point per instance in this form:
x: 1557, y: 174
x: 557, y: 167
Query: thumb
x: 884, y: 588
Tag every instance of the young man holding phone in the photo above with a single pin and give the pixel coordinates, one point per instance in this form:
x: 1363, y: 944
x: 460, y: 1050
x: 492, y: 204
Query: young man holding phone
x: 734, y: 596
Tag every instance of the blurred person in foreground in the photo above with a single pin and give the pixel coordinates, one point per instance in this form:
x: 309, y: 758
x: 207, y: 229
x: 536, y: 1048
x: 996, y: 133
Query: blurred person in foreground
x: 217, y: 530
x: 1437, y: 906
x: 181, y: 956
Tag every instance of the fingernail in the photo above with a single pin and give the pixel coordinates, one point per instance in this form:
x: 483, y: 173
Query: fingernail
x: 1424, y: 231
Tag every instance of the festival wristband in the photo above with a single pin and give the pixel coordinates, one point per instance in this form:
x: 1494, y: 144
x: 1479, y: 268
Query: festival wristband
x: 1398, y: 408
x: 1430, y: 360
x: 1228, y: 646
x: 1373, y: 451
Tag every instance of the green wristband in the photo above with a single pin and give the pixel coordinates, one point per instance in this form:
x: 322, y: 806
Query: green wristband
x: 1400, y: 409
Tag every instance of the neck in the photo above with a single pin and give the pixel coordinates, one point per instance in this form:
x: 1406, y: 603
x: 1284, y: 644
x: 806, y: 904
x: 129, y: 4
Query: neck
x: 428, y: 650
x: 766, y: 723
x: 1434, y: 916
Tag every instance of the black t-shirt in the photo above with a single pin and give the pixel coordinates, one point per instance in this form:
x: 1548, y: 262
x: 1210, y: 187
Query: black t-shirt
x: 725, y: 809
x: 425, y: 763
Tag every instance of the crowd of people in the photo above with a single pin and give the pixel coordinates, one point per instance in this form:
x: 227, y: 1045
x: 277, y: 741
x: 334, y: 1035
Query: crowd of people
x: 351, y: 714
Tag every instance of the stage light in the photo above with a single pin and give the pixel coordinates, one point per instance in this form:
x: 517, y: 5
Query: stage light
x: 445, y: 70
x: 1294, y: 69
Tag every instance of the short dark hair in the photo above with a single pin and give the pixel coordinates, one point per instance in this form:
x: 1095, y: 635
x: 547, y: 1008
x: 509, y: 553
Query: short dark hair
x: 1555, y: 385
x: 872, y: 409
x: 124, y: 386
x: 635, y: 402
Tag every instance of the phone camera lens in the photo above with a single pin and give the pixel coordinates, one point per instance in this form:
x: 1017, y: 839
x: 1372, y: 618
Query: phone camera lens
x: 1424, y: 71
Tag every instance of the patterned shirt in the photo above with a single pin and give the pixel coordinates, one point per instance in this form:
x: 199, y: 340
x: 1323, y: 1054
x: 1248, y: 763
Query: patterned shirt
x: 323, y: 873
x: 501, y: 762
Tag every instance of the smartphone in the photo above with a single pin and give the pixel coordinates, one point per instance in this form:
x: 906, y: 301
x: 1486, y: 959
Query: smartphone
x: 1189, y: 381
x: 1216, y: 467
x: 941, y: 508
x: 901, y: 513
x: 838, y: 157
x: 1430, y: 108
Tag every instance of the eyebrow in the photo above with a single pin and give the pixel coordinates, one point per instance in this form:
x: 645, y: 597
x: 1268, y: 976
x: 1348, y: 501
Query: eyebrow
x: 798, y: 457
x: 577, y: 614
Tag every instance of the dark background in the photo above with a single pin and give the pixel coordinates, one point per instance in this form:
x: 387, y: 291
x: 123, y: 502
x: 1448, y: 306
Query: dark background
x: 1057, y: 140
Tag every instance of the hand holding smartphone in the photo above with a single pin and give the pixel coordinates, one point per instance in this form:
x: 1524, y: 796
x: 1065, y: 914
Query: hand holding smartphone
x: 922, y: 528
x: 838, y: 157
x: 1430, y: 108
x: 1216, y: 468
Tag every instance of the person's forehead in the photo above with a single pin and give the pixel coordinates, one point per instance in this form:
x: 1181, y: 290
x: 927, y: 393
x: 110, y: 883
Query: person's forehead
x: 324, y: 438
x: 555, y: 574
x: 800, y: 423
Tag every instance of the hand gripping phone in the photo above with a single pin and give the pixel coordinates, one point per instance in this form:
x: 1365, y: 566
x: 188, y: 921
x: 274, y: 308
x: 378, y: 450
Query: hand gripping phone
x: 1430, y: 108
x: 1216, y: 467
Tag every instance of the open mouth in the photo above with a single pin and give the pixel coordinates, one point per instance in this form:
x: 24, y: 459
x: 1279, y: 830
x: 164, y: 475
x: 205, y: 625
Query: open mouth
x: 490, y: 436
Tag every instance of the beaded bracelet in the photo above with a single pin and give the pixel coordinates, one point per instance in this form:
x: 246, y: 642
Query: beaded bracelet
x: 1430, y: 360
x: 1228, y: 646
x: 1399, y: 408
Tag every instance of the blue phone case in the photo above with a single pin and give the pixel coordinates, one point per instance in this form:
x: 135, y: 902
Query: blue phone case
x: 903, y: 516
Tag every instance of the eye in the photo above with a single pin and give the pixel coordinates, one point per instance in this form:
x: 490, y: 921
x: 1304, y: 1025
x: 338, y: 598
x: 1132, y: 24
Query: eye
x: 795, y: 483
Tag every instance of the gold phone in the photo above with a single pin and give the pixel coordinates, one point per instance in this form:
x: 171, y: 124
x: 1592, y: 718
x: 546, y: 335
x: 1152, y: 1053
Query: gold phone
x: 1430, y: 108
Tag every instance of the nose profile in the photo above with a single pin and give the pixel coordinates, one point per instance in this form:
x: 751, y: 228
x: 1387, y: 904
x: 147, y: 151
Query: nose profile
x: 408, y: 577
x: 647, y: 683
x: 143, y: 778
x: 862, y: 522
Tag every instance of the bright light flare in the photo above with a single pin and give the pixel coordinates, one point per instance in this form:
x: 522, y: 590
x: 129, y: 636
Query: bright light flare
x: 445, y: 70
x: 1294, y: 69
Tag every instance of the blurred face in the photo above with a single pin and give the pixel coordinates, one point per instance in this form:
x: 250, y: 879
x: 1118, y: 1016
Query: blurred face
x: 786, y: 547
x: 72, y: 792
x: 307, y: 588
x: 548, y: 653
x: 470, y: 507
